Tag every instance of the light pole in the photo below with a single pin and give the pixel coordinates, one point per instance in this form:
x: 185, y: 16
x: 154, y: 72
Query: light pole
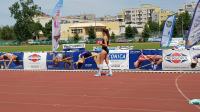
x: 182, y: 26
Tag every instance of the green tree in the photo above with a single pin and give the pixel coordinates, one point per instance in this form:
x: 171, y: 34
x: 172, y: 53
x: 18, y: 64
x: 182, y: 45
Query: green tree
x: 135, y: 31
x: 146, y: 32
x: 186, y: 21
x: 76, y: 37
x: 183, y: 23
x: 153, y: 26
x: 47, y: 30
x: 161, y: 27
x: 36, y: 28
x: 0, y: 32
x: 113, y: 36
x: 91, y: 33
x: 175, y: 32
x: 129, y: 32
x: 7, y: 33
x: 23, y: 12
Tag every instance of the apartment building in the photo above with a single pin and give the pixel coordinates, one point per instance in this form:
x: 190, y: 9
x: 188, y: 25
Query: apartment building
x: 164, y: 14
x: 189, y: 7
x: 141, y: 15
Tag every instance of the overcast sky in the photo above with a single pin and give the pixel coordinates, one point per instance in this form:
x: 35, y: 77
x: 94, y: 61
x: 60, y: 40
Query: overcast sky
x: 98, y: 7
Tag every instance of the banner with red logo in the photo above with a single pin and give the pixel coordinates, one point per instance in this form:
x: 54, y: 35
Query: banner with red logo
x: 176, y: 60
x: 35, y: 61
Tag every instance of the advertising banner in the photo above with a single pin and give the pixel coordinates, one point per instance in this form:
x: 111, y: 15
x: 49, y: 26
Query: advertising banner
x: 17, y: 63
x: 119, y: 59
x: 56, y: 26
x: 87, y: 58
x: 176, y: 60
x: 35, y: 61
x: 145, y: 59
x: 194, y: 33
x: 60, y: 60
x: 168, y: 31
x: 74, y: 47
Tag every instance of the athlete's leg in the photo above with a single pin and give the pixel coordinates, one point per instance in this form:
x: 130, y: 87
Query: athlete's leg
x: 109, y: 65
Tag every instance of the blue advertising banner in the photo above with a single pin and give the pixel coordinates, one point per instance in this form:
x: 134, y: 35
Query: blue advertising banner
x: 145, y: 59
x: 68, y: 61
x: 88, y: 63
x: 60, y: 60
x: 168, y: 31
x: 194, y: 33
x: 14, y: 64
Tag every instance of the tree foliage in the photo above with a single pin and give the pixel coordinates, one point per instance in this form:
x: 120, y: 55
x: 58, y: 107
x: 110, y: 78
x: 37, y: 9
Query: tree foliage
x: 7, y: 33
x: 183, y: 23
x: 161, y: 27
x: 76, y: 37
x: 91, y: 33
x: 135, y: 31
x: 23, y: 12
x: 47, y: 30
x: 113, y: 35
x: 36, y: 28
x: 153, y: 26
x: 146, y: 32
x: 0, y: 32
x: 130, y: 32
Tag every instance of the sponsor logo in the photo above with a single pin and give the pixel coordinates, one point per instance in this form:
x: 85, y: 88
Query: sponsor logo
x: 88, y: 65
x: 176, y: 58
x: 34, y: 58
x: 135, y: 52
x: 65, y: 46
x: 117, y: 56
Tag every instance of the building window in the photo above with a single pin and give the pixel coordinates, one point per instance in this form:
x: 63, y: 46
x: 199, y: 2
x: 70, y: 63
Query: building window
x: 73, y: 31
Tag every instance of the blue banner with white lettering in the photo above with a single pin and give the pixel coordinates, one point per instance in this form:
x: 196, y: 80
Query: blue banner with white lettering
x: 145, y: 59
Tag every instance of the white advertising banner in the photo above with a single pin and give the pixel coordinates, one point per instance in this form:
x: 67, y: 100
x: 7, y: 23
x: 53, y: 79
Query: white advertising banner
x: 119, y: 59
x: 176, y: 60
x: 73, y: 46
x: 35, y: 61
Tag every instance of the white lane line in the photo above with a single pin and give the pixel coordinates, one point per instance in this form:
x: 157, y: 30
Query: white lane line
x: 83, y: 106
x: 92, y: 96
x: 181, y: 92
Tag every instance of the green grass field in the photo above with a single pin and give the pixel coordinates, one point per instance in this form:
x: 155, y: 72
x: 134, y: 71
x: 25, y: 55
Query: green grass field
x: 32, y: 48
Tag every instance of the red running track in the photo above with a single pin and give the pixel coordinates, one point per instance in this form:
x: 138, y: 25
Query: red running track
x: 82, y: 92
